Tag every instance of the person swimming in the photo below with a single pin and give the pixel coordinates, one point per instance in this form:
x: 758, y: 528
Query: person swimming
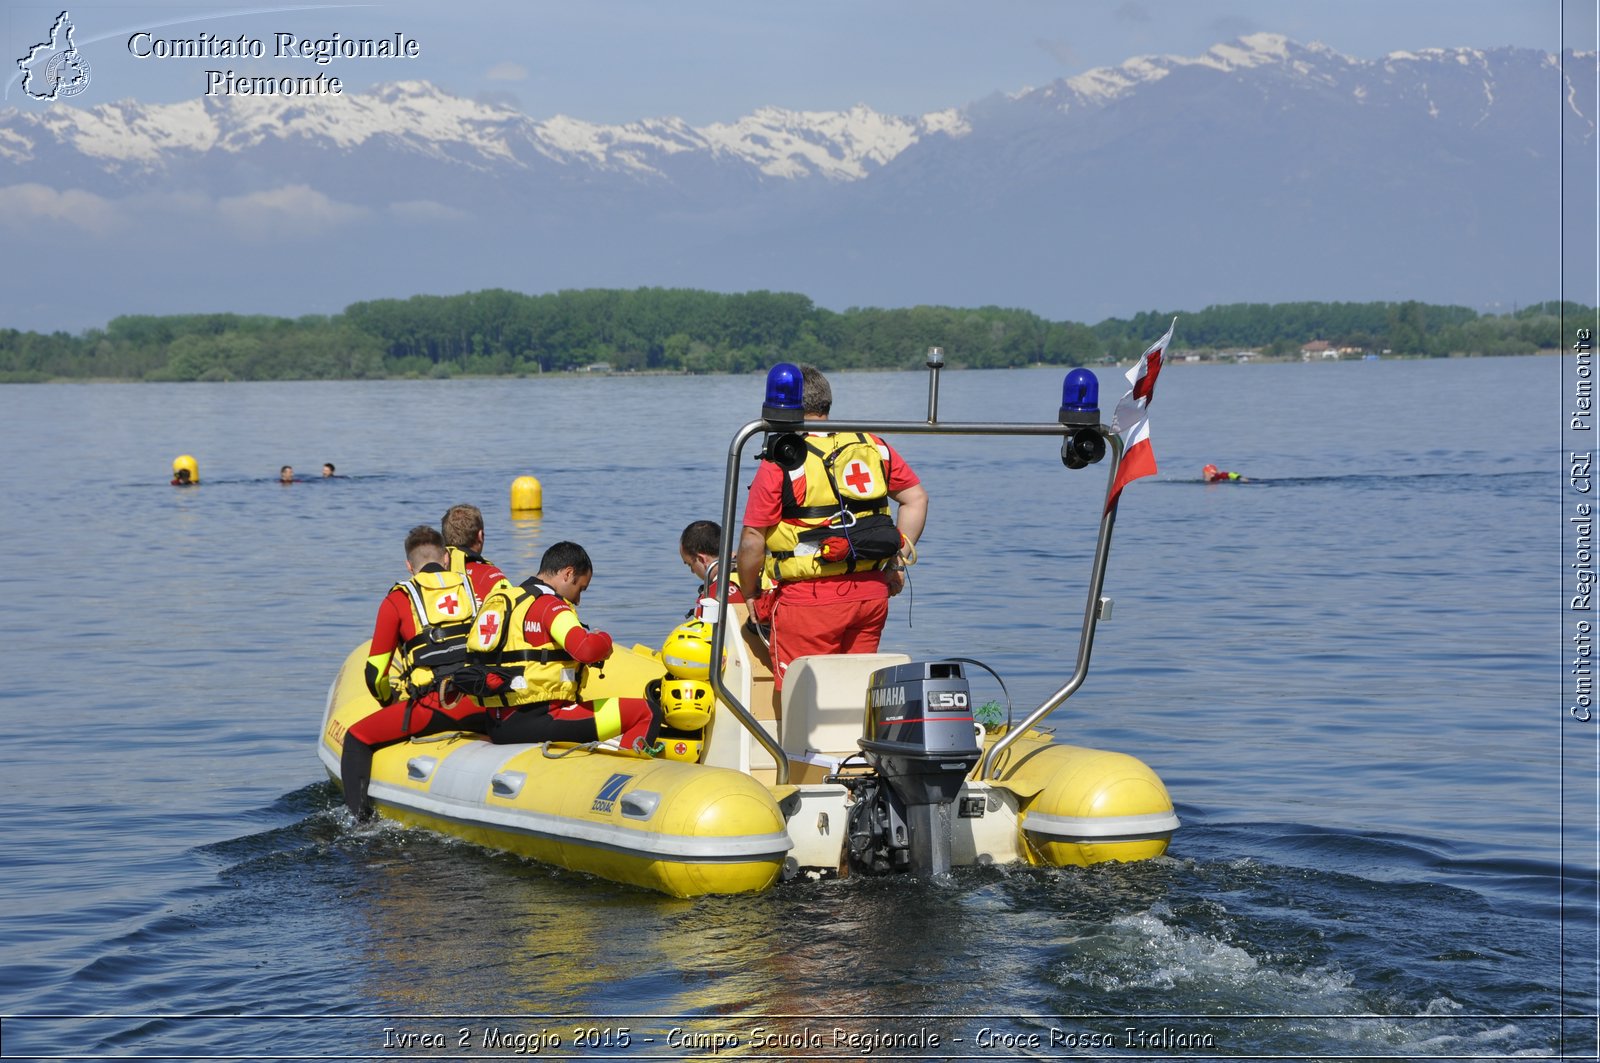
x: 1214, y: 475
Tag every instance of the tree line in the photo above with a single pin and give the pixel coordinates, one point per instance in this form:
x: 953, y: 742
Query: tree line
x: 500, y: 332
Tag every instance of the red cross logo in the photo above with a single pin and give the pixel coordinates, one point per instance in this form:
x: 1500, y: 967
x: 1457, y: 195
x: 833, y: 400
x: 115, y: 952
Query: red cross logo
x: 491, y: 624
x: 449, y: 605
x: 858, y: 478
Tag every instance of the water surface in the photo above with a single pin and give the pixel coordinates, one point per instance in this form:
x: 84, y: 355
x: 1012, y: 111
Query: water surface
x: 1348, y: 672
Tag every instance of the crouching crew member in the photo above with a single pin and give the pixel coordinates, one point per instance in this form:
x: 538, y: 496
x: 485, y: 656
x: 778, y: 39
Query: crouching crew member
x: 425, y: 619
x: 525, y: 654
x: 697, y: 547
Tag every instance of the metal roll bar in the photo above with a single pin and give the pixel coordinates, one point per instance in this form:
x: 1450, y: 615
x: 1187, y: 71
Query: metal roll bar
x: 931, y: 426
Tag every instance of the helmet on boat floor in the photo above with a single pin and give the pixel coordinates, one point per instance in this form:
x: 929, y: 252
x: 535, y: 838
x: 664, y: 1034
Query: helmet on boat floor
x: 682, y: 745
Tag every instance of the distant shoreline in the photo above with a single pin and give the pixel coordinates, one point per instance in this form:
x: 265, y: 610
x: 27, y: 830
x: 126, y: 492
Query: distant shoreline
x: 604, y: 332
x: 1176, y: 358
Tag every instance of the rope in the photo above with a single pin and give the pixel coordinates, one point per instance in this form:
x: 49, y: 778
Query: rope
x: 587, y: 747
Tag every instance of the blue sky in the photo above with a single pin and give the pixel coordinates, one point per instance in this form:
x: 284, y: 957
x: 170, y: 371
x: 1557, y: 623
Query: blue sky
x: 714, y: 60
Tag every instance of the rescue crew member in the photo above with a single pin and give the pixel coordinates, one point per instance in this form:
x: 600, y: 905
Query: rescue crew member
x: 462, y: 528
x: 808, y: 530
x: 425, y: 619
x: 1215, y: 475
x: 531, y: 632
x: 697, y: 547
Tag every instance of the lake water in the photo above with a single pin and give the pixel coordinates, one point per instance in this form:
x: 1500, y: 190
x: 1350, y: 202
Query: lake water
x: 1349, y: 672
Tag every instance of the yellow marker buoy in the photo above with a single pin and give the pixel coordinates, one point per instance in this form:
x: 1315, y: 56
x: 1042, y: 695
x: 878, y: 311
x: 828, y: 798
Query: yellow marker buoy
x: 186, y: 463
x: 526, y: 495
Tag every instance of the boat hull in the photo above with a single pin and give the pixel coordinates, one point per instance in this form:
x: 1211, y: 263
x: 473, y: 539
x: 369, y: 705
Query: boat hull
x: 1083, y: 806
x: 689, y: 829
x: 681, y: 829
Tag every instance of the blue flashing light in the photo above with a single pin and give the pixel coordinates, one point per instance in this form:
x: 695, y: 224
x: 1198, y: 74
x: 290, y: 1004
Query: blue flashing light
x: 784, y: 386
x: 1080, y: 393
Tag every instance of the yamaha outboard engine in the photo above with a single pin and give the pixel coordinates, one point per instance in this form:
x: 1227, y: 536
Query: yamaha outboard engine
x: 922, y: 744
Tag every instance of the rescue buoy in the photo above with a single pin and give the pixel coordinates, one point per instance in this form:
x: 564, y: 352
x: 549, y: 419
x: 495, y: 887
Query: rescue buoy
x: 186, y: 462
x: 527, y: 495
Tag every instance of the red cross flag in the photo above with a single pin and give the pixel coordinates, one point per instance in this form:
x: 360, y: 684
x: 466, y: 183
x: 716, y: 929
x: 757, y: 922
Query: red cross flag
x: 1132, y: 418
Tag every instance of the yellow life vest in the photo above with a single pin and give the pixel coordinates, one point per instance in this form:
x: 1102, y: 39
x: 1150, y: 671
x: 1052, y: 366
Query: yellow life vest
x: 500, y: 639
x: 459, y: 559
x: 442, y: 611
x: 847, y: 479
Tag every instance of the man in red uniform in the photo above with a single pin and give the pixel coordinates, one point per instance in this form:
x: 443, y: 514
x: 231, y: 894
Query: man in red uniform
x: 697, y: 547
x: 828, y: 598
x: 425, y: 619
x: 531, y: 633
x: 462, y: 528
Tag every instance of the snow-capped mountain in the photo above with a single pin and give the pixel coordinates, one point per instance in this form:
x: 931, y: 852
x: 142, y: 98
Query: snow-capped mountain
x: 132, y: 142
x: 1263, y: 170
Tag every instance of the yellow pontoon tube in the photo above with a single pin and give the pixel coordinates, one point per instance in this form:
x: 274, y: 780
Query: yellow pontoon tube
x: 683, y: 829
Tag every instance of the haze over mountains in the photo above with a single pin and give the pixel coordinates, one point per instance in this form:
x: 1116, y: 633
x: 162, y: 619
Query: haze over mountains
x: 1262, y: 171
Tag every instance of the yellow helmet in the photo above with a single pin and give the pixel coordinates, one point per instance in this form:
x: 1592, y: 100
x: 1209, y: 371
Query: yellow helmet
x: 687, y: 651
x: 683, y: 746
x: 686, y: 703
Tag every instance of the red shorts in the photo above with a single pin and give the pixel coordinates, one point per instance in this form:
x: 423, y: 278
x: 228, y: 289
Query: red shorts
x: 389, y: 724
x: 576, y: 721
x: 837, y: 627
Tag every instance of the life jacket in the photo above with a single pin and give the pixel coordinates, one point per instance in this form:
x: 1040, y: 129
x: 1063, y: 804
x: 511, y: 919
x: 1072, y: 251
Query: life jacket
x: 706, y: 600
x: 847, y: 482
x: 443, y: 607
x: 499, y: 640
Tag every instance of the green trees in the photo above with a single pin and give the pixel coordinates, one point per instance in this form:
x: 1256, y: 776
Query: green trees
x: 503, y: 332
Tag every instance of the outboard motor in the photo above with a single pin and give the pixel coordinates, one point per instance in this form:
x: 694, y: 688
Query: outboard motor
x: 920, y: 740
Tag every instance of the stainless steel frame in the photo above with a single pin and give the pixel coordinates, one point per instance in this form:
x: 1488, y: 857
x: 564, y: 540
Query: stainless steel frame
x: 932, y: 426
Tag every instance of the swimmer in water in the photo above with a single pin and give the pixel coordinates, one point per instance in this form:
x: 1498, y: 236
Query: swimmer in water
x: 1215, y: 475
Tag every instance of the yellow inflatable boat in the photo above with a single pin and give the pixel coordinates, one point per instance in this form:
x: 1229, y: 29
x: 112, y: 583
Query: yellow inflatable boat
x: 867, y: 764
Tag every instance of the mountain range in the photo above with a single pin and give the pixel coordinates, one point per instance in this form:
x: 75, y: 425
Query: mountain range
x: 1264, y: 170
